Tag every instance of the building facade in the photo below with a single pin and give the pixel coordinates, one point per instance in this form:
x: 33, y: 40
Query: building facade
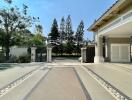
x: 113, y: 33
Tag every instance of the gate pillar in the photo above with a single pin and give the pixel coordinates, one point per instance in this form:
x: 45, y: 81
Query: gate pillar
x: 49, y: 54
x: 33, y: 54
x: 83, y: 55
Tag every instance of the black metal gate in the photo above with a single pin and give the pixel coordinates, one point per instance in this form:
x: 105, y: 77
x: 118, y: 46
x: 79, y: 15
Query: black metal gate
x: 41, y: 54
x: 90, y: 53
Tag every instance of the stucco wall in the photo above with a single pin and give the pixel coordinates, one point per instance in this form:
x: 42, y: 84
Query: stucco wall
x: 15, y: 51
x: 116, y: 41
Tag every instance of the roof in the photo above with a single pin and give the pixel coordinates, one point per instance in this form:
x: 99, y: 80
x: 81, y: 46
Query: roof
x: 105, y: 15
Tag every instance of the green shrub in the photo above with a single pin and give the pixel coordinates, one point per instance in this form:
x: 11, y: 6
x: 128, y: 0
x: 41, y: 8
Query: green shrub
x: 13, y: 59
x: 2, y: 57
x: 24, y: 58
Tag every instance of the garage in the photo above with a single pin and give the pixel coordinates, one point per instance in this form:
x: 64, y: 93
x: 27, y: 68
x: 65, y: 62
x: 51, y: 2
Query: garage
x: 120, y: 52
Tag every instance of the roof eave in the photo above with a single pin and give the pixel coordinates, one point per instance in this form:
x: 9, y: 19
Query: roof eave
x: 111, y: 9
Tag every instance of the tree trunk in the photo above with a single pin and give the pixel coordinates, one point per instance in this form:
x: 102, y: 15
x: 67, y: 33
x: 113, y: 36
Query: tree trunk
x: 7, y: 46
x: 7, y: 53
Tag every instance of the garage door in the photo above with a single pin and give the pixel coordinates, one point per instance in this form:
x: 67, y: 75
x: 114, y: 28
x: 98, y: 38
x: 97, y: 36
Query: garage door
x: 120, y: 52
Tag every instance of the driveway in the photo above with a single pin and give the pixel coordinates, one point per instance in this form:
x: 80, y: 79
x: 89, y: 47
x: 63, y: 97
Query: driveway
x: 62, y: 80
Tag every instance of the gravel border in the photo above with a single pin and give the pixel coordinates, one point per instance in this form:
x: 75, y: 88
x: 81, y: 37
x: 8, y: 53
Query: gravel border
x: 17, y: 82
x: 117, y: 94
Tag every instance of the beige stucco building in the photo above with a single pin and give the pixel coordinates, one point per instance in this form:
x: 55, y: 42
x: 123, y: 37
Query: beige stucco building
x: 113, y: 33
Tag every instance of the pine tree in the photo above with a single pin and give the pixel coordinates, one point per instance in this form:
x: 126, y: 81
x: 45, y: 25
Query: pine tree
x: 69, y: 32
x: 54, y: 35
x: 62, y: 35
x: 79, y: 37
x: 80, y: 33
x: 69, y: 36
x: 62, y: 29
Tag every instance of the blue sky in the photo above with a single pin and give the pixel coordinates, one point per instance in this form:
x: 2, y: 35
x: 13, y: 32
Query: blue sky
x: 47, y: 10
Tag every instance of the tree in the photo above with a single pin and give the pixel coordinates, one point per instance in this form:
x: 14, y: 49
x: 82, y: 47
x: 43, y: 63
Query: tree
x: 8, y: 1
x: 13, y: 21
x: 39, y: 29
x: 38, y: 40
x: 62, y: 35
x: 54, y: 35
x: 69, y: 36
x: 80, y: 33
x: 62, y: 30
x: 69, y: 32
x: 1, y: 37
x: 79, y: 36
x: 25, y: 38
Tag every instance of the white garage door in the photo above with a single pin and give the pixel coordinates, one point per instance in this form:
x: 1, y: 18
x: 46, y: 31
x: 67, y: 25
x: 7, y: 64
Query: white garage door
x: 120, y: 52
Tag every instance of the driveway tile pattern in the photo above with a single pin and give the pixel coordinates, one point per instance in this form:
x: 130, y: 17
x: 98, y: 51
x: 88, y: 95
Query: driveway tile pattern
x: 60, y: 84
x: 66, y: 81
x: 115, y: 75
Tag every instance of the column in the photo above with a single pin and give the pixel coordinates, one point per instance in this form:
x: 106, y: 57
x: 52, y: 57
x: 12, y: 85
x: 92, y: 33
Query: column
x: 106, y: 48
x: 98, y: 50
x: 83, y: 55
x: 49, y: 54
x: 33, y: 54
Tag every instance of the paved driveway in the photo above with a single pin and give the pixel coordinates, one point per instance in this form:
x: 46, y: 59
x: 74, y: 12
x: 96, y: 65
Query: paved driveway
x: 60, y: 84
x: 62, y: 80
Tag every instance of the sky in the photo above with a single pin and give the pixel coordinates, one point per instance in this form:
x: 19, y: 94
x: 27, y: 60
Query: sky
x: 47, y: 10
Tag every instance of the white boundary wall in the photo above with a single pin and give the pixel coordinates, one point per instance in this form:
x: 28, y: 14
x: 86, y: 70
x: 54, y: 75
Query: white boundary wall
x: 16, y: 51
